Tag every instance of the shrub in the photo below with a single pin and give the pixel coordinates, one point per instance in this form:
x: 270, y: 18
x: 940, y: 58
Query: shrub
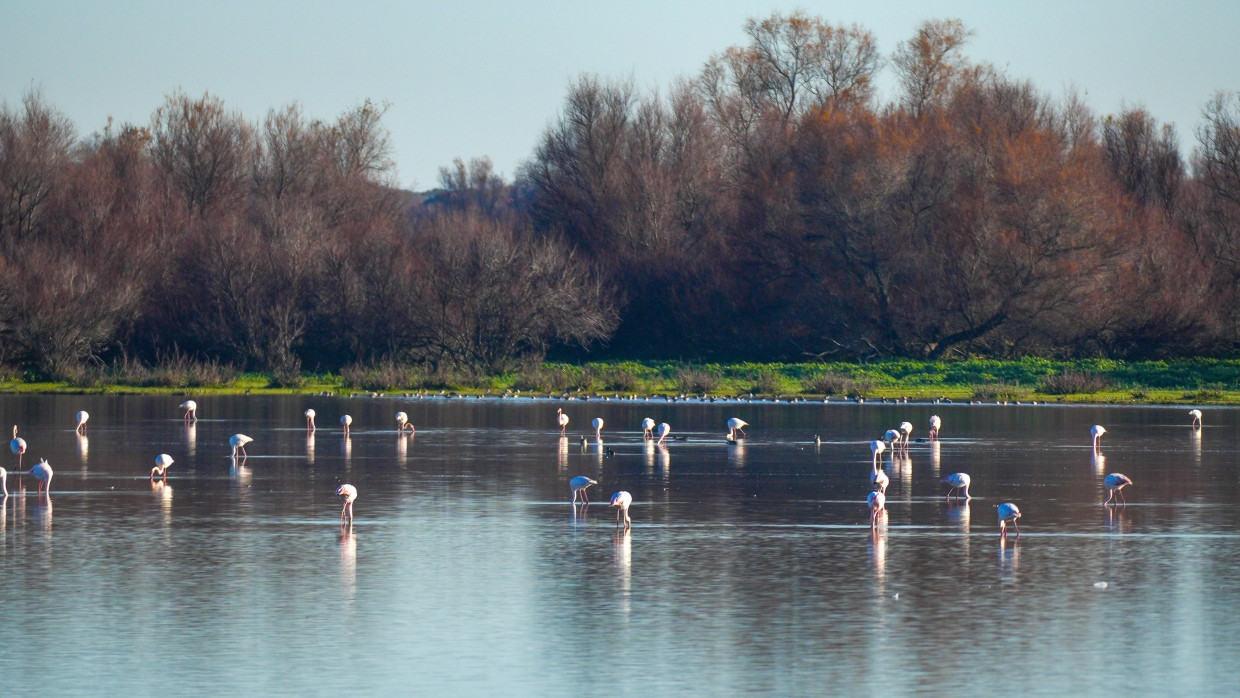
x: 1071, y: 382
x: 832, y: 383
x: 690, y: 380
x: 1000, y: 391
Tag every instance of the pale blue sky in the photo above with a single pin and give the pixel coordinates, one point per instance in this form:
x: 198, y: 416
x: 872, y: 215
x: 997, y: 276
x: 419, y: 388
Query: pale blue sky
x: 469, y: 77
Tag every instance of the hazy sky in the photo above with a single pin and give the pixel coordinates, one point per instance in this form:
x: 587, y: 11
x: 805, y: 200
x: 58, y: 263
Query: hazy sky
x: 466, y: 78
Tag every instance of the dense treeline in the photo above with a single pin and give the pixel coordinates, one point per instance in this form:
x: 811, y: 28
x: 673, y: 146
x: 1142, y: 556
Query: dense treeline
x: 773, y: 207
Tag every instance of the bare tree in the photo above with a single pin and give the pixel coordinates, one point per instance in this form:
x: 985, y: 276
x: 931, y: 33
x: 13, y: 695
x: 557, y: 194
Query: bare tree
x: 203, y: 150
x: 35, y: 143
x: 929, y: 64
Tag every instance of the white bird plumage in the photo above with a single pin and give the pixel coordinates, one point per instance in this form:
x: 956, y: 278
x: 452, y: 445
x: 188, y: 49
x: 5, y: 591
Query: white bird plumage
x: 878, y: 478
x: 347, y: 493
x: 345, y: 422
x: 1007, y: 511
x: 876, y: 501
x: 1115, y: 484
x: 893, y: 437
x: 958, y: 481
x: 1096, y: 431
x: 4, y: 481
x: 310, y: 419
x: 622, y: 500
x: 734, y: 425
x: 402, y: 422
x: 43, y: 473
x: 82, y: 416
x: 191, y: 411
x: 238, y: 442
x: 935, y: 424
x: 1196, y: 415
x: 578, y: 485
x: 597, y: 423
x: 906, y: 431
x: 562, y: 419
x: 162, y: 462
x: 664, y: 430
x: 18, y: 446
x: 647, y: 427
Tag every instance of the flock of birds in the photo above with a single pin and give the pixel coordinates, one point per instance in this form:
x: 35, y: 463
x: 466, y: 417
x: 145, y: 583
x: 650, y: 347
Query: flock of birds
x: 895, y: 439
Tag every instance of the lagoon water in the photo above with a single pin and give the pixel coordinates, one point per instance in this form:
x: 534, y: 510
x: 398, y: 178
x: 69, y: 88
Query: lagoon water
x: 749, y: 568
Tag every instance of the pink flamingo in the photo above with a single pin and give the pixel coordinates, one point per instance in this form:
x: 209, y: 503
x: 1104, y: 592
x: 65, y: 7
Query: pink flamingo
x: 347, y: 493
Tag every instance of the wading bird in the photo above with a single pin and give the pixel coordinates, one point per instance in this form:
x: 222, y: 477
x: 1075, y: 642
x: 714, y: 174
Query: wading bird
x: 238, y: 442
x: 43, y: 473
x: 345, y: 421
x: 4, y: 481
x: 402, y: 422
x: 878, y: 478
x: 162, y: 462
x: 1196, y: 415
x: 82, y: 416
x: 18, y: 446
x: 664, y: 430
x: 597, y: 423
x: 735, y: 425
x: 906, y: 430
x: 562, y: 419
x: 348, y: 493
x: 935, y: 424
x: 893, y: 437
x: 957, y: 481
x: 310, y: 419
x: 647, y: 428
x: 1097, y: 431
x: 622, y: 500
x: 579, y: 485
x: 1116, y: 482
x: 876, y: 500
x: 1008, y: 512
x: 191, y: 411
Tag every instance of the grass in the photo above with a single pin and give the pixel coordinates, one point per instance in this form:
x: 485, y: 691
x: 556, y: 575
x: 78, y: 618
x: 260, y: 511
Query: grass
x: 1195, y: 381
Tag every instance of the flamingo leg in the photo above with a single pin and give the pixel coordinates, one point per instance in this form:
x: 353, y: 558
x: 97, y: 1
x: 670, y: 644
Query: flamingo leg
x: 1110, y: 494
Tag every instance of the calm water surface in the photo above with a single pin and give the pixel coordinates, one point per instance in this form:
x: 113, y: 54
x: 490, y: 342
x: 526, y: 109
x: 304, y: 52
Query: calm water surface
x: 749, y: 568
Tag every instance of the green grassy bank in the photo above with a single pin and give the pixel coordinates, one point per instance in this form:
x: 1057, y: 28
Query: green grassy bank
x: 1197, y: 381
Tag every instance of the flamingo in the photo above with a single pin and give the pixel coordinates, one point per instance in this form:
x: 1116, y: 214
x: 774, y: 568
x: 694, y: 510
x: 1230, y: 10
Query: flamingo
x: 1008, y: 512
x: 562, y: 419
x: 906, y: 430
x: 876, y: 500
x: 878, y: 478
x: 647, y: 427
x: 162, y: 462
x: 82, y: 416
x: 43, y: 473
x: 402, y: 421
x: 664, y: 430
x: 191, y: 411
x: 1196, y: 415
x: 958, y: 481
x: 238, y: 442
x: 18, y: 446
x: 597, y: 423
x: 4, y: 481
x: 345, y: 421
x: 310, y: 419
x: 1097, y: 431
x: 735, y: 425
x: 1116, y: 482
x: 579, y: 484
x: 622, y: 500
x: 348, y: 493
x: 935, y: 424
x: 893, y: 437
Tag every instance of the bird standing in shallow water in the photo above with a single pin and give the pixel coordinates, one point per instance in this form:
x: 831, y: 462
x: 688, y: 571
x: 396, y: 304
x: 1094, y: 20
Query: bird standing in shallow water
x: 1096, y: 431
x: 906, y: 431
x: 1008, y: 512
x: 162, y: 462
x: 935, y: 424
x: 43, y: 473
x: 191, y: 411
x: 402, y: 423
x: 622, y: 500
x: 238, y: 442
x: 1196, y: 415
x: 597, y: 423
x: 1116, y: 482
x: 4, y: 481
x: 82, y: 416
x: 562, y: 419
x: 310, y: 419
x: 876, y: 501
x: 647, y: 428
x: 735, y: 425
x: 878, y: 478
x: 579, y: 485
x: 957, y: 481
x: 664, y: 430
x: 348, y: 493
x: 18, y: 446
x: 345, y: 421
